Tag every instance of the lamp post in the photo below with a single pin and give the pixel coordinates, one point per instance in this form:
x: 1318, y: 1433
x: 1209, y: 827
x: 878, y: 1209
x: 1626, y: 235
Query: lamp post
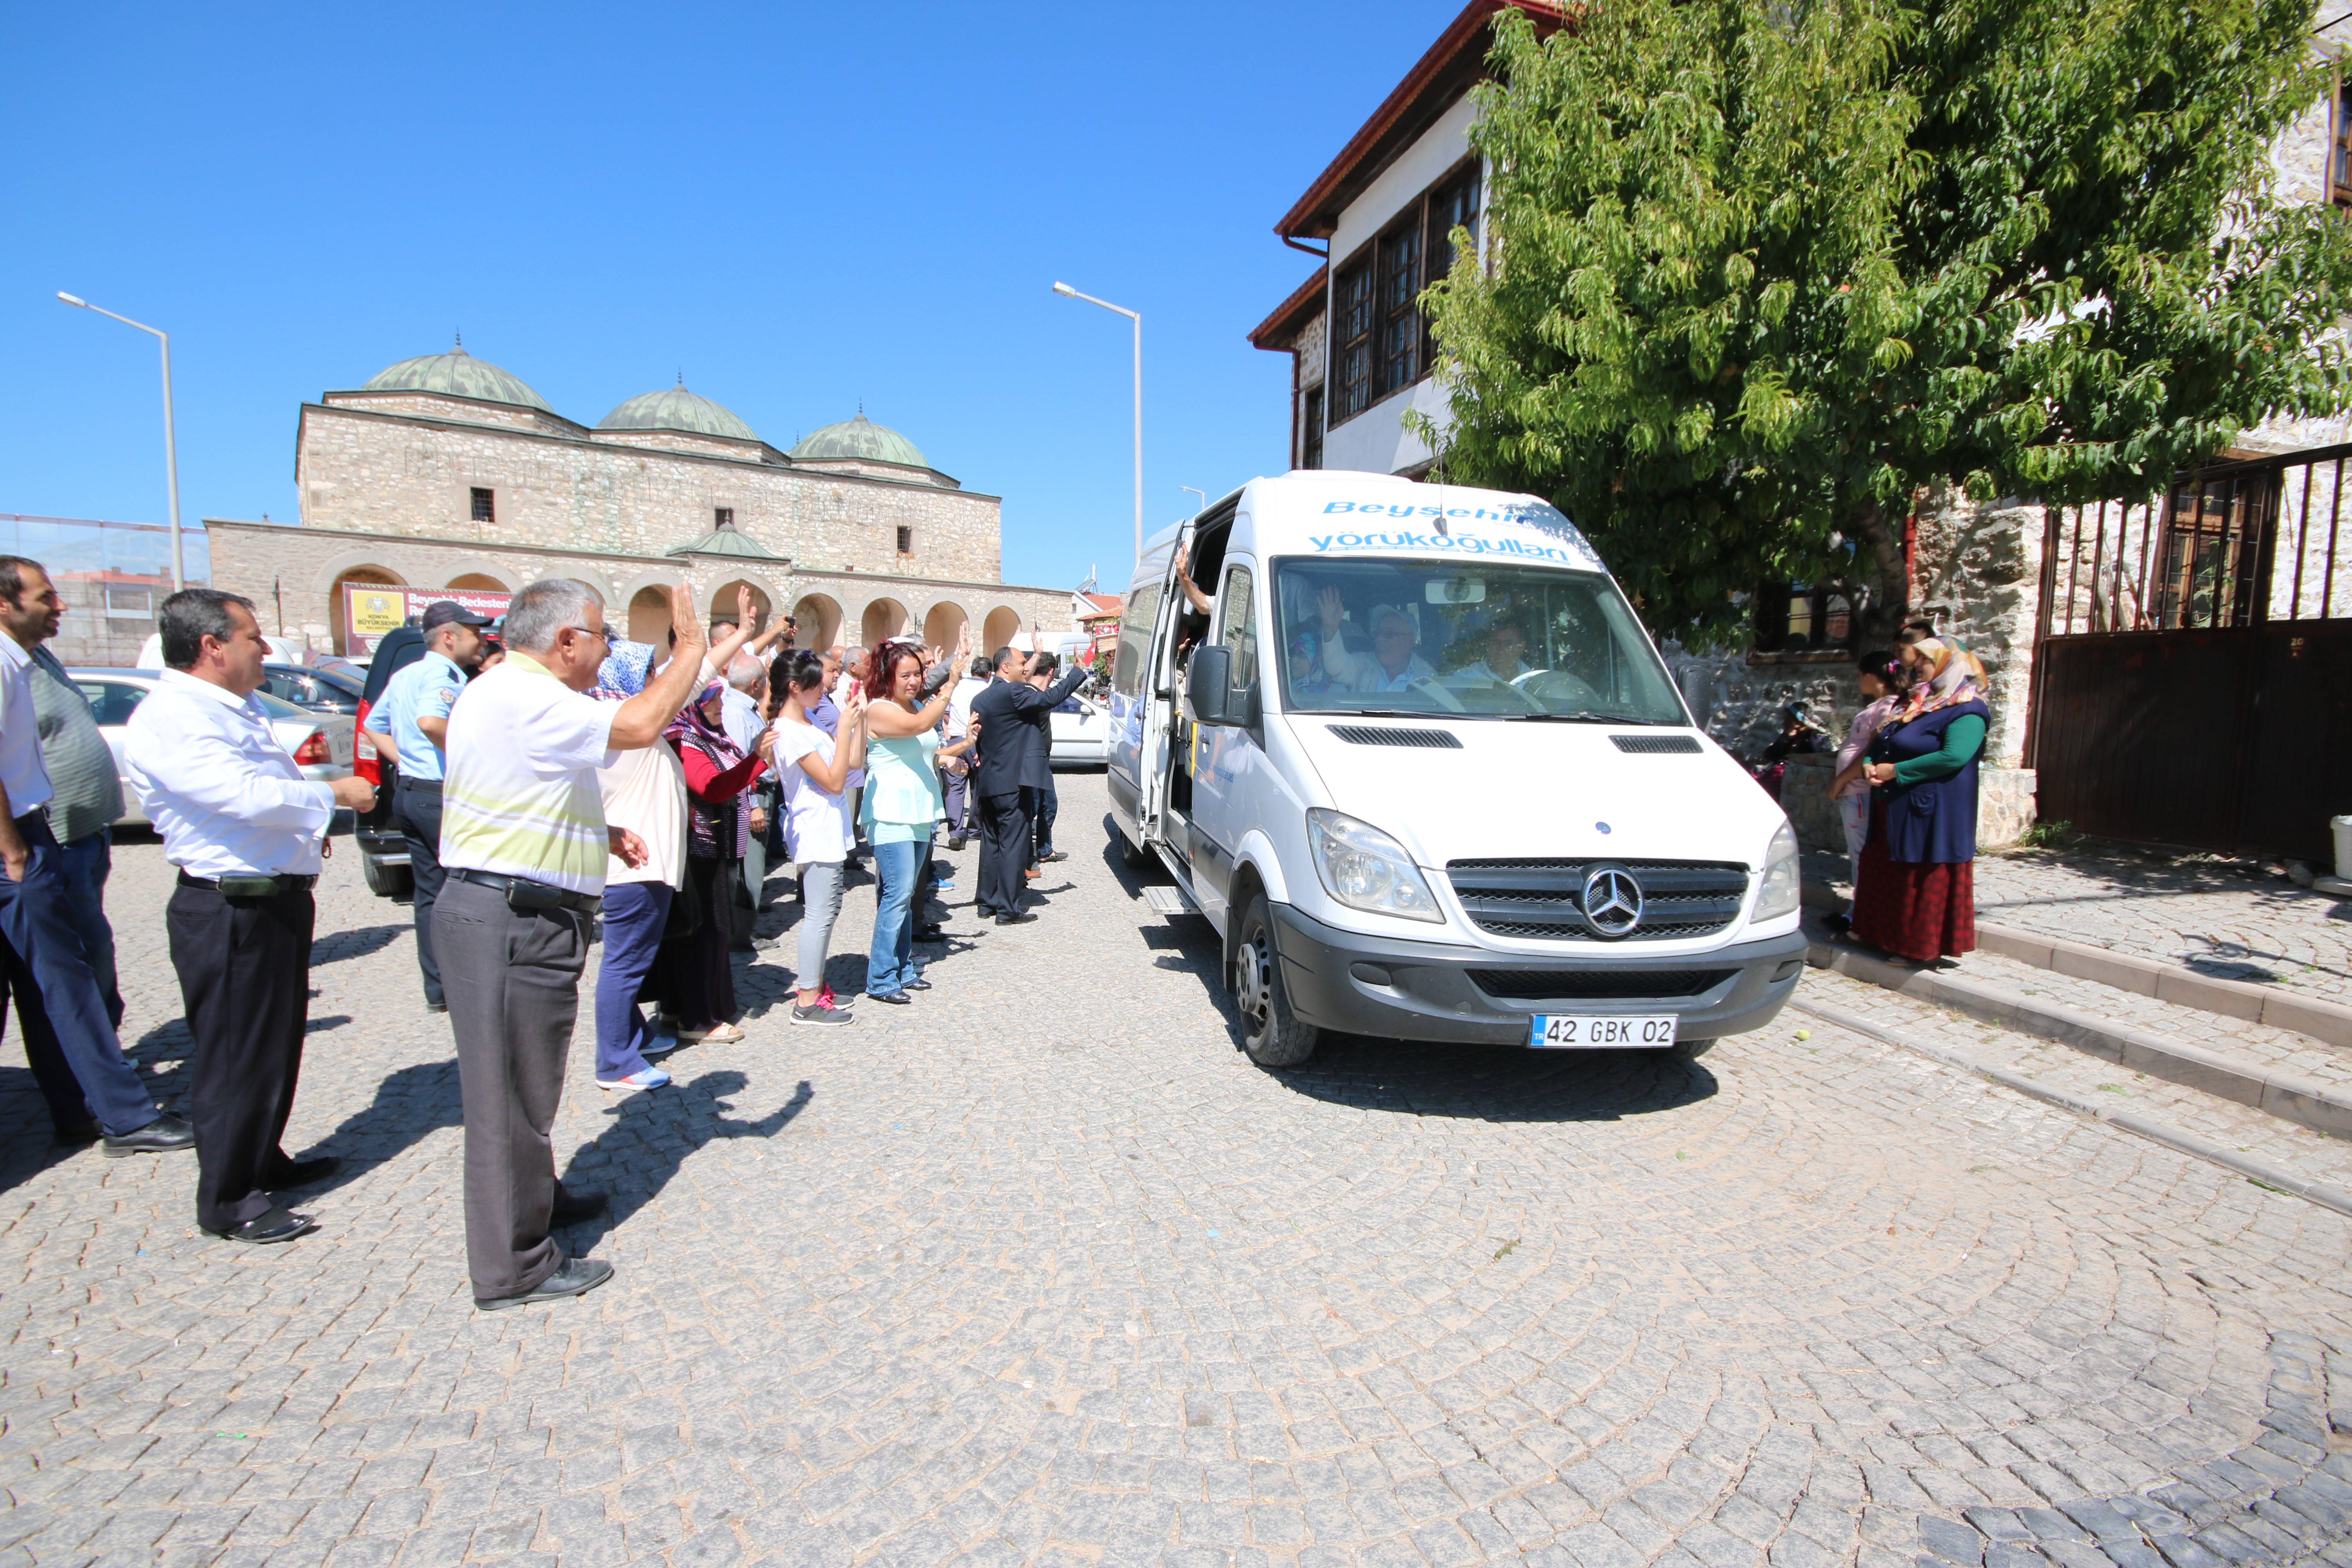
x: 1194, y: 491
x: 1137, y: 317
x: 171, y: 449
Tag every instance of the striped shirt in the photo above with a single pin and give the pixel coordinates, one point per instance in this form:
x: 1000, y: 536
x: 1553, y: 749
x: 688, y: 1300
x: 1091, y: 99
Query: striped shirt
x: 89, y: 793
x: 521, y: 796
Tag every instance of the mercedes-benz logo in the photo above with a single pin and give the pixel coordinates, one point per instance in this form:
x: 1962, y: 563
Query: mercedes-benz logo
x: 1613, y: 902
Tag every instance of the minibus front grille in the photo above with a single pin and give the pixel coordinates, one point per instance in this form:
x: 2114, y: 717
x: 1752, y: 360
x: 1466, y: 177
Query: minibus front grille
x: 1596, y: 985
x: 1540, y: 898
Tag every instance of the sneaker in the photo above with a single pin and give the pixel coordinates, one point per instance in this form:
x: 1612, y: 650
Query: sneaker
x: 659, y: 1046
x: 820, y: 1014
x: 825, y: 998
x: 644, y: 1078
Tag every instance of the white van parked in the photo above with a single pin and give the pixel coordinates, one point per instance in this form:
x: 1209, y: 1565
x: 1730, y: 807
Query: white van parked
x: 1422, y: 767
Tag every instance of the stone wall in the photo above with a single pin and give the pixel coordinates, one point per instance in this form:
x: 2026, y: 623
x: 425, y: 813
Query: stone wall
x: 265, y: 561
x: 368, y: 472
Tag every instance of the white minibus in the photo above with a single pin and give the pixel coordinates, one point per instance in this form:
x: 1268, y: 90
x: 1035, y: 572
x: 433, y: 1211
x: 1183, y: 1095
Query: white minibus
x: 1419, y: 765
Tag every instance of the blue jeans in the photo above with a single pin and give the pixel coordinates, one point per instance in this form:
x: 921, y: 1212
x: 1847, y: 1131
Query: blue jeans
x: 891, y: 957
x: 87, y: 862
x: 634, y: 913
x: 59, y: 1005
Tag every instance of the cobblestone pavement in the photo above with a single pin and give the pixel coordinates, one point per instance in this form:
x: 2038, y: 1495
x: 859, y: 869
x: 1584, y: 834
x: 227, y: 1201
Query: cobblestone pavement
x: 1041, y: 1269
x: 2223, y: 917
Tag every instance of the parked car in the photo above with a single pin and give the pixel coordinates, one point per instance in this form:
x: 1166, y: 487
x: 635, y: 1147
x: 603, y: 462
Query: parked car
x: 1081, y: 733
x: 383, y: 849
x: 307, y: 686
x: 320, y: 744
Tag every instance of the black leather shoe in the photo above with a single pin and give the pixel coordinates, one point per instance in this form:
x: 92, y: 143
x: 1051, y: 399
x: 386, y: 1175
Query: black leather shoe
x: 1019, y: 919
x: 919, y: 984
x: 890, y: 998
x: 571, y: 1208
x: 1054, y: 854
x: 437, y: 1006
x: 931, y: 933
x: 76, y: 1134
x: 573, y: 1277
x: 166, y: 1135
x: 278, y: 1224
x: 955, y: 843
x: 301, y: 1173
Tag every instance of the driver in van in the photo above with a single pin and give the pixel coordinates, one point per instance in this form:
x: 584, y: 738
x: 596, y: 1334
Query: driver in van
x: 1505, y: 659
x: 1395, y: 663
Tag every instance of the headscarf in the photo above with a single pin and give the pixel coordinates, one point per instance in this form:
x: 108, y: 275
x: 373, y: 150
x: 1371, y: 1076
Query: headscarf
x: 623, y: 674
x: 1954, y: 676
x: 711, y: 825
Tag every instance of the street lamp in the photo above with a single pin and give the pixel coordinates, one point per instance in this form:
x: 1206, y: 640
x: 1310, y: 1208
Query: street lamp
x: 1137, y: 317
x: 171, y: 449
x: 1190, y: 491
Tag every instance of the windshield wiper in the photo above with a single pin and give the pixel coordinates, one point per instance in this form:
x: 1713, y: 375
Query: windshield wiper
x: 1575, y: 716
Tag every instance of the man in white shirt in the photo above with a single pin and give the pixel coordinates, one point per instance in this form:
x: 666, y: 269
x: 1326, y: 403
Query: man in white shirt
x: 244, y: 826
x: 1394, y: 664
x: 61, y: 1011
x: 525, y: 842
x: 960, y: 811
x: 1505, y: 659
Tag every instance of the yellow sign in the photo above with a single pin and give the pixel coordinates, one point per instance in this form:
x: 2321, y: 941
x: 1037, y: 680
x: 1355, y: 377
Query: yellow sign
x: 375, y: 611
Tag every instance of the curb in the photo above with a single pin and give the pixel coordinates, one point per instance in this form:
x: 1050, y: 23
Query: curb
x: 2328, y: 1022
x: 2287, y: 1096
x: 2260, y: 1171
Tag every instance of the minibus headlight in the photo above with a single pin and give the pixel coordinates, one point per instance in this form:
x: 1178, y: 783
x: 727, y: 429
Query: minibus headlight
x: 1364, y: 868
x: 1777, y: 895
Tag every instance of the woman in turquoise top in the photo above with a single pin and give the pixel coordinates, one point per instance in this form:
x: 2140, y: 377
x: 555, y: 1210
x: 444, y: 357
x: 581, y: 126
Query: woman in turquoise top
x: 902, y: 804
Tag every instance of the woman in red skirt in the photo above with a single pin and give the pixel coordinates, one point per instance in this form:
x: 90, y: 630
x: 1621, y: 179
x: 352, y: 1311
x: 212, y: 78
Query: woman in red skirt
x: 1915, y: 894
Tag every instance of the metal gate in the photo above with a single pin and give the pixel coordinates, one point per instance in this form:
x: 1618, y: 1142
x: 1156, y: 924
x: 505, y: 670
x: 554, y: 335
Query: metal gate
x: 2193, y: 671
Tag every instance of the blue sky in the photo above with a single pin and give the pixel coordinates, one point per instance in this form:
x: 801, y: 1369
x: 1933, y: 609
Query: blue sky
x: 799, y: 206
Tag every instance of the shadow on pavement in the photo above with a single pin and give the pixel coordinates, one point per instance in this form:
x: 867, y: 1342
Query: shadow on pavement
x: 25, y: 1129
x: 651, y: 1135
x: 357, y: 942
x: 410, y: 1104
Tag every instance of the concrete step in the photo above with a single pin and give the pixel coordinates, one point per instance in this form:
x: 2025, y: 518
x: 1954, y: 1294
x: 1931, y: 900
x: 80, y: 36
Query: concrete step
x: 2274, y: 1006
x: 2281, y: 1073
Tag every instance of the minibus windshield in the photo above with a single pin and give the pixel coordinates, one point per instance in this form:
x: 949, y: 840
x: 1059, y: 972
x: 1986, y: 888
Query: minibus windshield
x: 1489, y: 641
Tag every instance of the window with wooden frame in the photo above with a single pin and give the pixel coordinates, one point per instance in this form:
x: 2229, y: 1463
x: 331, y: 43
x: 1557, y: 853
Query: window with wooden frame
x: 1803, y: 617
x: 1399, y: 251
x: 1352, y: 341
x: 906, y: 541
x: 1310, y: 433
x: 2339, y: 145
x: 1380, y: 338
x: 722, y: 517
x: 485, y: 506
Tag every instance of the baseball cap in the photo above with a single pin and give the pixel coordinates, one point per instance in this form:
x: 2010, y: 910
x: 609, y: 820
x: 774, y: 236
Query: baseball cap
x: 448, y: 612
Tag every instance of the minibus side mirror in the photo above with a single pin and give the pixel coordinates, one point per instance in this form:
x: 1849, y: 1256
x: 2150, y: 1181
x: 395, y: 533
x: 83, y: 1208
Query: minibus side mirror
x: 1208, y: 686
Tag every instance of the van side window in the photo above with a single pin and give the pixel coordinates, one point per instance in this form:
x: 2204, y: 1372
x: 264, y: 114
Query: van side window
x: 1134, y: 656
x: 1237, y: 630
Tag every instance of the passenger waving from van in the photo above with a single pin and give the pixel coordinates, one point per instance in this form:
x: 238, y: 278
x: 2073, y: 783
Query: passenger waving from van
x: 1394, y: 664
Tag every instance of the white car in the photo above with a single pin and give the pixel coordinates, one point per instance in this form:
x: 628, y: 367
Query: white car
x: 320, y: 744
x: 1081, y: 733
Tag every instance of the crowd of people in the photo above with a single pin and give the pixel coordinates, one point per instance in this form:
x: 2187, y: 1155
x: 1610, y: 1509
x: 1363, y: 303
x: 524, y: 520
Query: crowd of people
x: 555, y: 788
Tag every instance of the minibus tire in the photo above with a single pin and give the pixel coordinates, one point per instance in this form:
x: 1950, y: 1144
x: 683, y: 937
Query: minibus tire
x: 1132, y: 855
x: 386, y: 881
x: 1270, y: 1032
x: 1690, y: 1050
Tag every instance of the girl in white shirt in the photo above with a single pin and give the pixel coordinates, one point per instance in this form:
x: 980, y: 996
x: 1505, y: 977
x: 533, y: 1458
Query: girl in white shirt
x: 815, y: 773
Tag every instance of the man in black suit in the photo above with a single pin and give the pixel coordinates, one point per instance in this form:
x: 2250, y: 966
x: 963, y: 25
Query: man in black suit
x: 1016, y: 750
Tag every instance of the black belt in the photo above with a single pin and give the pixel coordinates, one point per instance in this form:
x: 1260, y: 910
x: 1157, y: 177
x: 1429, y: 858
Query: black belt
x: 533, y: 895
x: 430, y: 786
x: 250, y: 887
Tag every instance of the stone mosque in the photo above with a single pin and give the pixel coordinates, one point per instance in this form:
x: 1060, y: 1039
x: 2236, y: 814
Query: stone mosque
x: 445, y: 472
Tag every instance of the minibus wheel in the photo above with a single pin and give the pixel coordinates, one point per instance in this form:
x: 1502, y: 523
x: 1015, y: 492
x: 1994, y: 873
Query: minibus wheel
x: 1132, y: 855
x: 1272, y: 1034
x: 1690, y: 1050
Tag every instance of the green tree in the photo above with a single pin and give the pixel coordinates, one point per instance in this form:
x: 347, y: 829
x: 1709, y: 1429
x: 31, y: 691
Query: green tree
x: 1763, y: 269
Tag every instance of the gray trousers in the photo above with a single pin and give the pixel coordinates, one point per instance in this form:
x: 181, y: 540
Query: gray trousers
x: 512, y: 979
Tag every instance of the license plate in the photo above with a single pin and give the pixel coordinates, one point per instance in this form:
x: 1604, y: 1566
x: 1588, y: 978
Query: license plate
x: 1584, y: 1032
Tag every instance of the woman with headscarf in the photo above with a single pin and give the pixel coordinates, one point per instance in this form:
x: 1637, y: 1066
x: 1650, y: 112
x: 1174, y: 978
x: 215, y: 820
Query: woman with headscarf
x: 1915, y: 891
x: 693, y: 975
x: 644, y: 791
x: 1881, y: 679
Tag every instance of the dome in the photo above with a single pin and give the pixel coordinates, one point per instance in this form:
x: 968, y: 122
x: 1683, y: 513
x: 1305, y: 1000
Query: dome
x: 674, y: 408
x: 459, y: 375
x: 859, y: 437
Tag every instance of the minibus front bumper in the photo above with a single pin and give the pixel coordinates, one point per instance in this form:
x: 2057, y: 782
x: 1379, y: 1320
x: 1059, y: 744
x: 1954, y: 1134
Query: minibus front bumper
x: 1397, y: 989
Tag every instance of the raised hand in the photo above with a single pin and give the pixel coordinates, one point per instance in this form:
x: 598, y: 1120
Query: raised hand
x: 683, y: 618
x: 747, y: 608
x: 1327, y: 607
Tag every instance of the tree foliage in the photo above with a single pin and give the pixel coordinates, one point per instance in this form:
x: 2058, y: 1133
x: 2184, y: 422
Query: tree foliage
x: 1760, y: 270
